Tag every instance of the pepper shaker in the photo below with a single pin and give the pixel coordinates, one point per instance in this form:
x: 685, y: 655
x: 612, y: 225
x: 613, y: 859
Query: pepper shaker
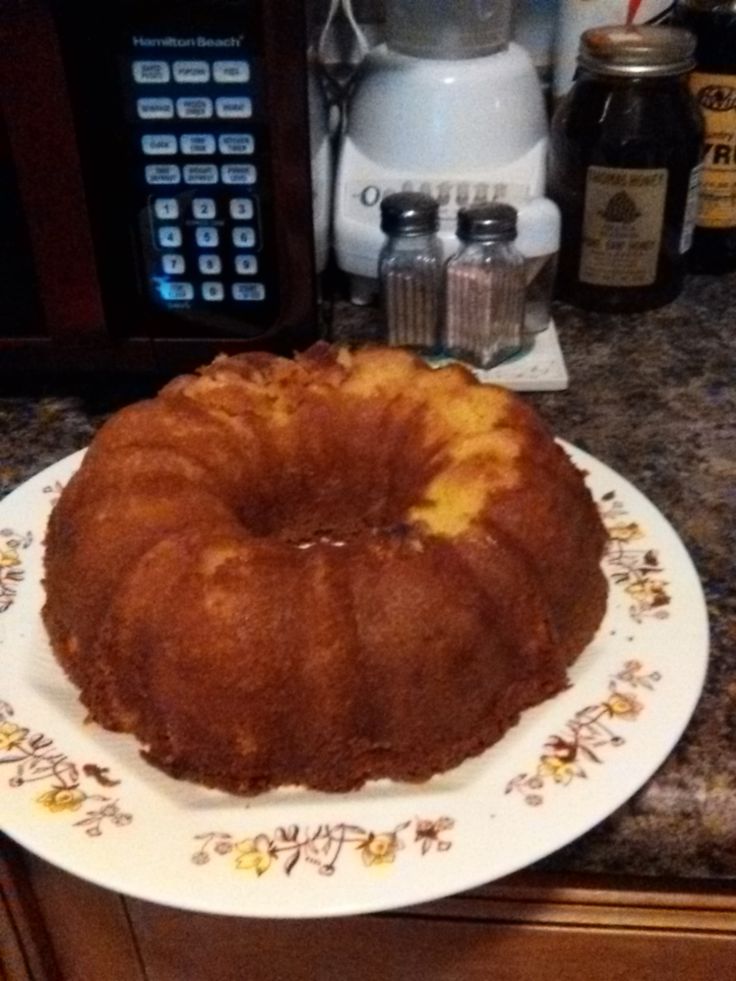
x: 410, y: 270
x: 485, y: 287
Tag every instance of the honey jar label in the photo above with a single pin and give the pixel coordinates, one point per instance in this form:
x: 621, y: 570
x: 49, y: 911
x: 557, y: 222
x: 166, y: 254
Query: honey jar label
x: 622, y: 225
x: 716, y: 95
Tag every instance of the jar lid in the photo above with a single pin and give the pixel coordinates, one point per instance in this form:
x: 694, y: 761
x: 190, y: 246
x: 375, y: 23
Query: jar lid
x: 409, y: 213
x: 637, y: 50
x: 495, y: 222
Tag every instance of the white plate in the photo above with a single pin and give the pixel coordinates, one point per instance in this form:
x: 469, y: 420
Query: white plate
x: 83, y: 799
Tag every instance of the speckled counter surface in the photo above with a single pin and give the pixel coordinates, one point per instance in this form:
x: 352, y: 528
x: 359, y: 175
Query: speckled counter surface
x: 654, y: 397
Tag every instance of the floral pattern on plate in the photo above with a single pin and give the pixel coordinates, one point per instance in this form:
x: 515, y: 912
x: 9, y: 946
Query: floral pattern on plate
x: 322, y: 846
x: 637, y: 570
x: 12, y: 543
x: 34, y: 758
x: 568, y: 754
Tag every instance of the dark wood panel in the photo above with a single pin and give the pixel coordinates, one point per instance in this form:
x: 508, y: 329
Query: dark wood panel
x: 529, y: 926
x: 41, y: 133
x: 26, y: 953
x: 90, y: 932
x: 175, y: 945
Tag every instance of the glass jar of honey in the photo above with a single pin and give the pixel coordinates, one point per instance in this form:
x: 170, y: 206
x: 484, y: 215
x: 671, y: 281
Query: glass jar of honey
x: 624, y: 168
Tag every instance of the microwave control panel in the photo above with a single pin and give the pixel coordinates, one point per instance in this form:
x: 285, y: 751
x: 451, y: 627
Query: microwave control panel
x: 192, y: 126
x: 198, y: 142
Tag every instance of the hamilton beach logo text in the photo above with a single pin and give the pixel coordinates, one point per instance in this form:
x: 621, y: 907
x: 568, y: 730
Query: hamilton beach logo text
x: 235, y: 41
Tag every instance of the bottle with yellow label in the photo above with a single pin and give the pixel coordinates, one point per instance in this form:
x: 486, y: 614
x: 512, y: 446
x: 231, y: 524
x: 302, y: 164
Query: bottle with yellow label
x: 713, y: 83
x: 624, y: 166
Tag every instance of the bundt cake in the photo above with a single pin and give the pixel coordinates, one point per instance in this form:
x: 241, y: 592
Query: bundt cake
x: 321, y: 571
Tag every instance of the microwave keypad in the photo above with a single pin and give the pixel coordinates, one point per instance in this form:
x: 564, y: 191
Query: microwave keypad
x: 197, y: 137
x: 210, y: 249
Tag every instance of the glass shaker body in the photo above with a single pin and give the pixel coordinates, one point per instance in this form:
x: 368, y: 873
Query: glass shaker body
x: 410, y: 276
x: 410, y: 270
x: 484, y: 309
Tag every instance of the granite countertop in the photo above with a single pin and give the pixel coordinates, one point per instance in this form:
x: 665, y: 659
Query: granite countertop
x: 654, y: 397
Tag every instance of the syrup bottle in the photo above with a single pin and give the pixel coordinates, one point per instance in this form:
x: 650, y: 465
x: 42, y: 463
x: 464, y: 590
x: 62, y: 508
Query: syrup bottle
x: 713, y: 83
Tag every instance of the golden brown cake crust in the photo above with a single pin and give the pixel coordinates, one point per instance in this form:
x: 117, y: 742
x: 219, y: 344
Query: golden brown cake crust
x: 322, y: 571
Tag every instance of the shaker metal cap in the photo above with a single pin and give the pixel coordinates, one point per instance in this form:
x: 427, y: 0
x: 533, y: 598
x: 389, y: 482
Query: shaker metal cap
x: 409, y: 213
x: 495, y: 222
x: 637, y: 49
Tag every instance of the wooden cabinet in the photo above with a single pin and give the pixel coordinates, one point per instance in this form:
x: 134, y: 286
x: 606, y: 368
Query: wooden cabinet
x: 531, y: 925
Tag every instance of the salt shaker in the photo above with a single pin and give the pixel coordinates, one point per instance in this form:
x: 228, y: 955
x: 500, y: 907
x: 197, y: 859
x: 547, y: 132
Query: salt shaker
x: 410, y: 270
x: 485, y: 286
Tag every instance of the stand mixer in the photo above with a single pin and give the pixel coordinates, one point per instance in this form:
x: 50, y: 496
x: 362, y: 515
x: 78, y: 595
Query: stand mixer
x: 449, y: 106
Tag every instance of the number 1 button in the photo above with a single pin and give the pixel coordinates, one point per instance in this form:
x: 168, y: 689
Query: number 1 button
x: 166, y: 208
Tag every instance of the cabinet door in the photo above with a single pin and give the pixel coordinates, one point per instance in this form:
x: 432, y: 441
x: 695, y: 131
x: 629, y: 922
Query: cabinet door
x: 542, y: 928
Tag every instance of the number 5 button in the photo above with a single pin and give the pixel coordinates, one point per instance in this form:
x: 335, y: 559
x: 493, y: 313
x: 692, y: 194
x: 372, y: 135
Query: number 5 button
x: 207, y: 237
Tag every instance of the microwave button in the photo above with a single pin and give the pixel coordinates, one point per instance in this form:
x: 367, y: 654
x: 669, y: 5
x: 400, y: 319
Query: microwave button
x: 244, y: 237
x: 151, y: 72
x: 151, y: 108
x: 154, y: 144
x: 200, y: 174
x: 162, y: 174
x: 210, y: 265
x: 207, y: 237
x: 241, y: 208
x: 166, y: 209
x: 238, y: 174
x: 173, y: 265
x: 204, y: 208
x: 236, y: 143
x: 233, y: 107
x: 177, y: 291
x: 194, y: 108
x: 246, y: 265
x: 231, y: 71
x: 197, y: 143
x: 191, y: 71
x: 213, y: 291
x: 249, y: 291
x: 169, y: 236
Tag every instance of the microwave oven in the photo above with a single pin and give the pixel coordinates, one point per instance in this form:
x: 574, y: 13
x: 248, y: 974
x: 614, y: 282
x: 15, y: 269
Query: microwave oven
x: 156, y: 183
